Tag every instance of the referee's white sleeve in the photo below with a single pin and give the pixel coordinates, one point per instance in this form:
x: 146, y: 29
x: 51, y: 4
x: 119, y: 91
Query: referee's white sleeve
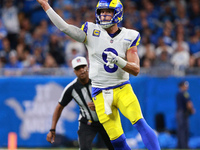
x: 71, y: 30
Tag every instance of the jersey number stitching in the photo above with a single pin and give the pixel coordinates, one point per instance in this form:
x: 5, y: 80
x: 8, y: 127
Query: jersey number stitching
x: 111, y: 68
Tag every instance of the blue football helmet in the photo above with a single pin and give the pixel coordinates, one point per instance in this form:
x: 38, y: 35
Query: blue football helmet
x: 116, y: 5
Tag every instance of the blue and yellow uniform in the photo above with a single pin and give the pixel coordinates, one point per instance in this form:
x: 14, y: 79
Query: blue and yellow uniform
x: 111, y: 89
x: 106, y: 77
x: 124, y: 99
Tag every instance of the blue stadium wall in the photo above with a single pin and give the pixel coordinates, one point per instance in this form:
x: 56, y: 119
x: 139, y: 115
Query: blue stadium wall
x: 27, y: 105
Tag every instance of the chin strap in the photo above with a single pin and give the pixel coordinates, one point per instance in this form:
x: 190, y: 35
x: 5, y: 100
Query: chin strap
x: 105, y: 26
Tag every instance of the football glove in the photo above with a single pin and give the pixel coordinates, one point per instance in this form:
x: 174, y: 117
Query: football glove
x: 112, y: 58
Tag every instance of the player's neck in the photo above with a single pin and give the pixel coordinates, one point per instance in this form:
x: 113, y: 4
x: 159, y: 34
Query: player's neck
x: 112, y: 29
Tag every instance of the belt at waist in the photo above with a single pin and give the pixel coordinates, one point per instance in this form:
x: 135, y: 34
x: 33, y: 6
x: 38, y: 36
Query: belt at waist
x: 89, y: 122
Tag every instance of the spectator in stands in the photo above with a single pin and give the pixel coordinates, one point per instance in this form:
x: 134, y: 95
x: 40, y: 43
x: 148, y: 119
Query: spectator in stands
x: 152, y: 13
x: 31, y: 66
x: 74, y: 49
x: 180, y: 41
x: 180, y: 59
x: 6, y: 48
x: 13, y: 61
x: 167, y: 33
x: 194, y: 44
x: 20, y: 51
x: 192, y: 61
x: 159, y: 19
x: 179, y: 29
x: 146, y: 50
x: 40, y: 39
x: 2, y: 59
x: 147, y: 64
x: 11, y: 22
x: 44, y: 30
x: 197, y: 31
x: 163, y: 61
x: 89, y: 15
x: 163, y: 47
x: 26, y: 57
x: 37, y: 53
x: 56, y: 49
x: 174, y: 4
x: 197, y: 62
x: 128, y: 24
x: 29, y: 7
x: 181, y: 16
x: 50, y: 62
x: 1, y: 63
x: 194, y: 12
x: 130, y: 11
x: 167, y: 14
x: 25, y: 35
x: 3, y: 33
x: 143, y: 22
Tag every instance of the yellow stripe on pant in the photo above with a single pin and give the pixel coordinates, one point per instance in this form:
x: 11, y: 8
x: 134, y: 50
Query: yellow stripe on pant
x: 127, y: 102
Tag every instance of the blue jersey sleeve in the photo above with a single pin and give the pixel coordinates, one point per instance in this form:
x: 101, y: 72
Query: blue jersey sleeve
x: 136, y: 42
x: 85, y: 27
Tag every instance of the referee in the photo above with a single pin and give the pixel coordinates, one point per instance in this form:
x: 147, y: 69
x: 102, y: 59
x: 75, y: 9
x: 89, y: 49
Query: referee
x: 80, y: 90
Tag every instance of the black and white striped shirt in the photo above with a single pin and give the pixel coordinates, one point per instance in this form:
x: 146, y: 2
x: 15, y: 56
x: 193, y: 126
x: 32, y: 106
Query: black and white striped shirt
x: 82, y: 95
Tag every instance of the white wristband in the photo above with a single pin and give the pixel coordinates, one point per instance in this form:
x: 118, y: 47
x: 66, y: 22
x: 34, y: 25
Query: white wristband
x: 121, y: 62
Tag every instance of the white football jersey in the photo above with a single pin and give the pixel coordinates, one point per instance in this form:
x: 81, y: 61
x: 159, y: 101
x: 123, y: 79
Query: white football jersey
x: 97, y: 42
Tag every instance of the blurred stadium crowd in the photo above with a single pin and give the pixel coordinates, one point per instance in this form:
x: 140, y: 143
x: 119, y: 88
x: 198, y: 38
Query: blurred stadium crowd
x: 169, y: 29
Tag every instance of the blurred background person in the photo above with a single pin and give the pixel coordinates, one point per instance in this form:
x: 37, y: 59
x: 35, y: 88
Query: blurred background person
x: 184, y: 110
x: 180, y: 59
x: 11, y: 21
x: 3, y: 33
x: 50, y: 61
x: 74, y: 49
x: 56, y: 49
x: 13, y: 63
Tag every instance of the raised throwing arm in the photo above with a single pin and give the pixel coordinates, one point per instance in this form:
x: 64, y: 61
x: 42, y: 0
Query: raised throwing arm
x: 71, y: 30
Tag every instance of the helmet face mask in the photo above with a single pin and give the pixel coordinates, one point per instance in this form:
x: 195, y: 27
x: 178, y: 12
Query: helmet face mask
x: 115, y: 5
x: 105, y: 23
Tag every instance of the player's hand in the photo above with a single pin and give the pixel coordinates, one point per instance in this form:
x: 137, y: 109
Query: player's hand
x: 42, y: 1
x: 51, y: 137
x: 91, y: 106
x: 111, y: 58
